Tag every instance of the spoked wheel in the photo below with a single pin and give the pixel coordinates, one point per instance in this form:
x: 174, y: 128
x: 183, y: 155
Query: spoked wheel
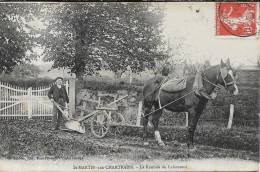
x: 100, y: 124
x: 116, y: 123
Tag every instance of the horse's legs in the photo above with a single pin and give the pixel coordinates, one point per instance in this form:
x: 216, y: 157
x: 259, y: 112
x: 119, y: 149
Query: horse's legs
x: 147, y: 110
x: 191, y: 113
x: 193, y: 123
x: 156, y: 117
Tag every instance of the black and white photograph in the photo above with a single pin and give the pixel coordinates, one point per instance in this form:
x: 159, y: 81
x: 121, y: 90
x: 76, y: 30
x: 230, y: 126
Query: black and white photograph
x: 129, y: 86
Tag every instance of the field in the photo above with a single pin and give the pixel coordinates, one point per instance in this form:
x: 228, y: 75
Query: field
x: 32, y: 139
x: 23, y: 139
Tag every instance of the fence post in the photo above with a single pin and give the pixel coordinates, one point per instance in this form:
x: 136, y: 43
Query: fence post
x: 230, y: 116
x: 29, y: 102
x: 187, y: 120
x: 139, y: 114
x: 72, y: 97
x: 67, y: 90
x: 131, y: 75
x: 67, y: 86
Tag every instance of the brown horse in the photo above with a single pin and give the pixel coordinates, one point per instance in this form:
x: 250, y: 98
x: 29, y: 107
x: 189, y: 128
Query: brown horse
x: 193, y: 99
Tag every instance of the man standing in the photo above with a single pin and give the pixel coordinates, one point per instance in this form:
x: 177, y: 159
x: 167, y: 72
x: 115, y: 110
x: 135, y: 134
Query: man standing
x: 58, y: 94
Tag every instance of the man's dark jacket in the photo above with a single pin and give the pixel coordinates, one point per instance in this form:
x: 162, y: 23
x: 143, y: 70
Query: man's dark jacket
x: 55, y: 94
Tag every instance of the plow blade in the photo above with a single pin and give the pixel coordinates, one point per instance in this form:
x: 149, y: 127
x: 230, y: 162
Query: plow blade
x: 75, y: 126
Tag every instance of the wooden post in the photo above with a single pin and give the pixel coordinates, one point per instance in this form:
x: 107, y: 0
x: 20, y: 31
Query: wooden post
x: 72, y: 96
x: 67, y: 86
x: 187, y: 119
x: 230, y: 116
x: 29, y: 101
x: 131, y: 75
x: 139, y: 114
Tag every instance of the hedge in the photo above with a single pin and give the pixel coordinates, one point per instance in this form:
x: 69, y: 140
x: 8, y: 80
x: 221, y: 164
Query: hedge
x: 111, y: 87
x: 26, y: 82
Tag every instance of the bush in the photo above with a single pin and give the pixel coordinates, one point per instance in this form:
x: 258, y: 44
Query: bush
x: 26, y: 82
x: 110, y: 87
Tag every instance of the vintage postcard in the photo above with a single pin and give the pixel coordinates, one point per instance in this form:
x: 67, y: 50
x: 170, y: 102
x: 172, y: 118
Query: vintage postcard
x: 129, y: 86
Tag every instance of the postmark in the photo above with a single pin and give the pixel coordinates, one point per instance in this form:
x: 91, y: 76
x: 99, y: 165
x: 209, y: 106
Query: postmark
x: 236, y: 19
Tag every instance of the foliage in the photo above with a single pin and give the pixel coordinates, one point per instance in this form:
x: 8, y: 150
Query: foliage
x: 174, y: 56
x: 26, y: 70
x: 25, y: 82
x: 165, y: 71
x: 91, y: 36
x: 163, y: 65
x: 192, y: 69
x: 15, y: 42
x: 111, y: 87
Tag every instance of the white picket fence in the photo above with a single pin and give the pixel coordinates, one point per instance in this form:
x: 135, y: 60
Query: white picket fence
x: 25, y: 102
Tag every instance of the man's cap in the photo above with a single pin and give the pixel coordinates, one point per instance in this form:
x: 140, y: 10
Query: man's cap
x: 58, y: 78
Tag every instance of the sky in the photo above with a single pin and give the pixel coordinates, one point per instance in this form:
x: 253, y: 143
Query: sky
x: 192, y: 26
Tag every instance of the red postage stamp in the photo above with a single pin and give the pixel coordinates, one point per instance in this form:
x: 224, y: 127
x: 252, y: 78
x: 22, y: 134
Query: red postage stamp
x: 236, y: 19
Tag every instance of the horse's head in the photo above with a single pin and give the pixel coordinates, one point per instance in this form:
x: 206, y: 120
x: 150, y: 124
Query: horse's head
x: 227, y: 77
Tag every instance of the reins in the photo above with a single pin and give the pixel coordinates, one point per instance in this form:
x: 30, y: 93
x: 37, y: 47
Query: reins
x: 166, y: 104
x: 205, y: 79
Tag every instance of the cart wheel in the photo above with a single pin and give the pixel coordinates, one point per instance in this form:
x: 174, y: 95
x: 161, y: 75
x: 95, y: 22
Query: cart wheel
x: 100, y: 124
x: 116, y: 120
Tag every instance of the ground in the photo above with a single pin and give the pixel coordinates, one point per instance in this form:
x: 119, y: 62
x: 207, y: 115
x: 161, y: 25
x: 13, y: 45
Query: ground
x: 33, y: 140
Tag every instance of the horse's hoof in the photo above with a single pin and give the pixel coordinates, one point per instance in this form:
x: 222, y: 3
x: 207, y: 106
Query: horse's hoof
x: 146, y: 143
x: 162, y: 144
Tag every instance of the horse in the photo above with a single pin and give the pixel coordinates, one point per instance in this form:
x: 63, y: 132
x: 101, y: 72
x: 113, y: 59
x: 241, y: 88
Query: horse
x: 192, y: 99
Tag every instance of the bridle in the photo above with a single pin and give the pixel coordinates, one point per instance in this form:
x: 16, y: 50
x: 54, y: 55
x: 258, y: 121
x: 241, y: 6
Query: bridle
x: 224, y: 73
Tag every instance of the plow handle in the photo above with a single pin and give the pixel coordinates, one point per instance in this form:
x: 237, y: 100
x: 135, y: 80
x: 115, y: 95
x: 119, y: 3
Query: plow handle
x: 57, y: 105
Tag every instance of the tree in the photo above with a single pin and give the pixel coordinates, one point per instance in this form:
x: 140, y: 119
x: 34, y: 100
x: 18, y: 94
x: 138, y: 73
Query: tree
x: 206, y: 64
x: 173, y: 58
x: 14, y: 41
x: 26, y: 70
x: 192, y: 69
x: 88, y: 37
x: 163, y: 65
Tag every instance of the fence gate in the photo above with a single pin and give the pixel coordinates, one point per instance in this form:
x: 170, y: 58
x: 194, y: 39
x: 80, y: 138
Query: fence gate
x: 25, y: 102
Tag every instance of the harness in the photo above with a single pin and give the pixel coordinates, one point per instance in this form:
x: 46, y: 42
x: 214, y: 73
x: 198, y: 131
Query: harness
x: 200, y: 90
